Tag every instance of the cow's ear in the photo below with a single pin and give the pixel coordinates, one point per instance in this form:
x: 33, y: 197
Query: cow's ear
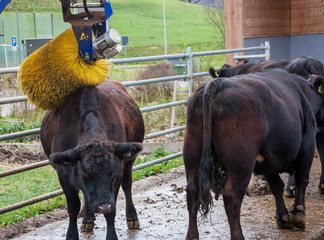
x: 226, y: 66
x: 127, y: 150
x: 67, y: 157
x: 213, y: 73
x: 317, y: 82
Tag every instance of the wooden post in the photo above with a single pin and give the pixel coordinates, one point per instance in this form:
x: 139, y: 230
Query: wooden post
x: 233, y: 13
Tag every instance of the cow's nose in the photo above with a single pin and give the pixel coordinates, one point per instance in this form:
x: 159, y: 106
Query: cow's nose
x: 104, y: 208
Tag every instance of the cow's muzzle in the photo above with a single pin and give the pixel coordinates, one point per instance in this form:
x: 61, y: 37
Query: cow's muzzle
x: 105, y: 208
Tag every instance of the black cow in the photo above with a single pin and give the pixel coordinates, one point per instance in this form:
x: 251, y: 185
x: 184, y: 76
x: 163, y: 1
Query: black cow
x: 262, y: 122
x: 92, y: 141
x: 303, y: 66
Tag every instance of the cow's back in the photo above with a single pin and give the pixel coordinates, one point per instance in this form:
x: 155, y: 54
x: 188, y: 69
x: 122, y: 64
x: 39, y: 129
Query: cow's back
x: 258, y: 109
x: 119, y: 116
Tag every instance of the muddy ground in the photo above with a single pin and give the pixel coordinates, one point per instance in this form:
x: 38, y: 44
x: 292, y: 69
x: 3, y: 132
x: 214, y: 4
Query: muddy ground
x: 161, y: 204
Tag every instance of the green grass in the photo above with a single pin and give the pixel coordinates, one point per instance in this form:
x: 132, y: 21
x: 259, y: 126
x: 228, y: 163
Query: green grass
x: 23, y: 186
x: 158, y: 168
x: 17, y: 126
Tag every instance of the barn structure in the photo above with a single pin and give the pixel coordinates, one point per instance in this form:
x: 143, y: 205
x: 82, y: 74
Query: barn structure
x: 293, y: 27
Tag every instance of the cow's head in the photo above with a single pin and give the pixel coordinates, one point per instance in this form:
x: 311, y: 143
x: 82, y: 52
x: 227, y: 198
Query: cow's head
x: 318, y: 84
x: 229, y: 71
x: 99, y: 165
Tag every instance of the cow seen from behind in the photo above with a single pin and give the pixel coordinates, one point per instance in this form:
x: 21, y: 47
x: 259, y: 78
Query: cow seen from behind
x: 92, y: 141
x: 303, y: 66
x: 262, y: 122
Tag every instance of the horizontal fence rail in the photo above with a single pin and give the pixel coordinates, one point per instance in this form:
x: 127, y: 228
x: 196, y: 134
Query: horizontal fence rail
x: 60, y: 192
x: 46, y: 162
x: 186, y: 56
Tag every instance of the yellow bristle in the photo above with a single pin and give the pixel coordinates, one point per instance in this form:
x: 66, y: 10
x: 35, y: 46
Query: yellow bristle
x: 54, y: 71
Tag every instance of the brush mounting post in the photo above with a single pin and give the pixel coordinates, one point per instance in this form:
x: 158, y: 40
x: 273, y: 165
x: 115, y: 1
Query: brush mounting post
x: 88, y: 25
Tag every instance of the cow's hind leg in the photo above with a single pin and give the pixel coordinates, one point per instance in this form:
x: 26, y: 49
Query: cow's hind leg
x: 191, y: 158
x: 131, y: 214
x: 233, y: 194
x: 304, y: 162
x: 320, y: 149
x: 192, y: 198
x: 88, y: 217
x: 276, y: 186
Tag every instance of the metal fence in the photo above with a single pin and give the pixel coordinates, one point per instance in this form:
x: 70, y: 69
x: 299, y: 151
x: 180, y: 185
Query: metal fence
x: 188, y: 77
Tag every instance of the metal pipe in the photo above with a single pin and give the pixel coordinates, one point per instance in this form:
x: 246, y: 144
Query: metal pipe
x: 148, y: 58
x: 35, y: 24
x: 238, y: 57
x: 164, y: 132
x: 9, y: 70
x: 166, y: 105
x: 52, y: 25
x: 13, y: 99
x: 157, y: 161
x: 164, y: 30
x: 196, y: 54
x: 6, y: 56
x: 202, y: 74
x: 31, y: 201
x: 189, y: 70
x: 267, y: 50
x: 19, y: 134
x: 24, y: 168
x: 153, y: 80
x: 18, y: 37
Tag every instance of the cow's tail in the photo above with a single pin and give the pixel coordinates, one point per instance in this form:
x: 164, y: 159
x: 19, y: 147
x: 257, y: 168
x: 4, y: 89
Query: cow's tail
x: 210, y: 177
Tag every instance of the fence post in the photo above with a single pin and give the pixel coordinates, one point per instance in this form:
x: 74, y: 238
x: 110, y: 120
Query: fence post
x: 267, y: 50
x: 34, y: 13
x: 52, y: 25
x: 6, y: 55
x: 189, y: 71
x: 18, y: 38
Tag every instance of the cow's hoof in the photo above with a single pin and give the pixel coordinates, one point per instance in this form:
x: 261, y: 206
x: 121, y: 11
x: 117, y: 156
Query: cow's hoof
x: 283, y: 221
x: 87, y: 227
x: 290, y: 192
x: 297, y: 216
x: 133, y: 223
x: 321, y: 188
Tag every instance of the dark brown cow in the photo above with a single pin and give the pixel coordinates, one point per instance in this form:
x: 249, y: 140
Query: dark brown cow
x: 92, y: 142
x: 262, y: 122
x: 303, y: 66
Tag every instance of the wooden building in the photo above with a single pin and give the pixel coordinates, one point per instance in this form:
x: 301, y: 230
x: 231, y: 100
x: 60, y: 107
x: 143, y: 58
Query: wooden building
x: 293, y: 27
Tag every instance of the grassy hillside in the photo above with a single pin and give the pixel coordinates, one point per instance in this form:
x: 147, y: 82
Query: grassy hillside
x: 33, y: 5
x: 141, y: 20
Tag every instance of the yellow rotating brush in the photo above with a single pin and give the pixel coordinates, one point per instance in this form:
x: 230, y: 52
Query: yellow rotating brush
x: 54, y: 71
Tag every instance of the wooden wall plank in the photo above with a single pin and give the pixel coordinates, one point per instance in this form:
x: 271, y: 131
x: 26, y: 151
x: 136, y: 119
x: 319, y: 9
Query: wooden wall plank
x: 233, y: 13
x: 268, y: 17
x: 307, y: 17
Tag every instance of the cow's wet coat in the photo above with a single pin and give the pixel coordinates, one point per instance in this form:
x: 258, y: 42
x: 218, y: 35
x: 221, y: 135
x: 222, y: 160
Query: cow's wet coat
x: 162, y: 212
